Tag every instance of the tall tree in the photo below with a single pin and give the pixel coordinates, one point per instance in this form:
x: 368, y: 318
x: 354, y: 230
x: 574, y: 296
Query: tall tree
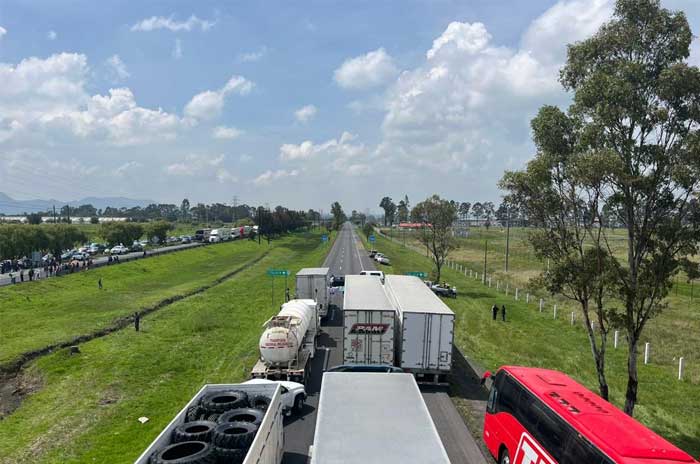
x: 185, y: 209
x: 489, y: 212
x: 402, y: 211
x: 464, y: 208
x: 477, y: 211
x: 389, y: 207
x: 637, y: 110
x: 437, y: 216
x: 339, y: 216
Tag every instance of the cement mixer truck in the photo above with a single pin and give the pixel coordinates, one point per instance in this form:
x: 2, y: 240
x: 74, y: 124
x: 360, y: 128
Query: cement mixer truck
x: 288, y: 342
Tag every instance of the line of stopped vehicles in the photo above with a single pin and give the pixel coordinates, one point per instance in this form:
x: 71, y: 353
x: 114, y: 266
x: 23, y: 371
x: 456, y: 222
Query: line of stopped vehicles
x: 396, y: 335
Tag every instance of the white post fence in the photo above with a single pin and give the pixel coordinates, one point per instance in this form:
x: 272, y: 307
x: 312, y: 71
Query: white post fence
x: 516, y: 292
x: 616, y: 338
x: 527, y: 298
x: 555, y: 311
x: 681, y: 365
x: 489, y: 282
x: 541, y: 303
x: 646, y: 352
x: 573, y: 317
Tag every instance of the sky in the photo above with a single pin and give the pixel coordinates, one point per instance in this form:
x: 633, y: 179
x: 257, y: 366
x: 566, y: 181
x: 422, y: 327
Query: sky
x: 277, y: 102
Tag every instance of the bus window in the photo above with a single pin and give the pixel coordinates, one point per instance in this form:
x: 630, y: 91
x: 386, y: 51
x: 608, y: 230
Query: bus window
x: 491, y: 404
x: 580, y: 450
x: 550, y: 431
x: 508, y: 394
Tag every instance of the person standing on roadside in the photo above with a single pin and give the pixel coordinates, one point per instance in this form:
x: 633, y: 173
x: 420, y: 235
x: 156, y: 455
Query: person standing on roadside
x: 99, y: 283
x: 21, y: 275
x: 31, y: 274
x: 503, y: 312
x: 494, y: 312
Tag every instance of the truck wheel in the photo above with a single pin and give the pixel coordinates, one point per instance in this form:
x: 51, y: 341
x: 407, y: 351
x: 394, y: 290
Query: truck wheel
x: 234, y: 435
x: 299, y: 403
x: 188, y: 452
x: 260, y: 402
x: 229, y: 456
x: 505, y: 457
x: 193, y: 431
x: 253, y: 416
x: 216, y: 403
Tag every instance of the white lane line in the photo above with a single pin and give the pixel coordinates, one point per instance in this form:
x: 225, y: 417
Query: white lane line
x: 357, y: 249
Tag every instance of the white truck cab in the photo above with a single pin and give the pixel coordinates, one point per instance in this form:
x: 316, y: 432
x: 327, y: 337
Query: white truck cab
x: 379, y: 274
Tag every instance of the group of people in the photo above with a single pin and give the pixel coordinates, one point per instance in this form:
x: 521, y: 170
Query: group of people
x: 494, y: 312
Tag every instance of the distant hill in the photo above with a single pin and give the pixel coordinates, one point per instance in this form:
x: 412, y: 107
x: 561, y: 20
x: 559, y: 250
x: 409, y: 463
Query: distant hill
x: 10, y: 206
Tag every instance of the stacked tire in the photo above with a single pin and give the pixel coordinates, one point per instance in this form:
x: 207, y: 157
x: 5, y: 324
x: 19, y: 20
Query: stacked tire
x: 219, y: 429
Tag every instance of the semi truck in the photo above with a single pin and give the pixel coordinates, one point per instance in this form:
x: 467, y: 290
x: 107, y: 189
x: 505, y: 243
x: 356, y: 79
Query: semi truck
x: 220, y: 235
x: 202, y: 235
x: 368, y: 418
x: 368, y: 322
x: 288, y: 342
x: 312, y: 283
x: 267, y: 446
x: 424, y: 329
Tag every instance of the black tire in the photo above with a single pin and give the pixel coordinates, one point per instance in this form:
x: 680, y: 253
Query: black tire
x: 504, y: 458
x: 254, y: 416
x: 216, y: 403
x: 188, y: 452
x: 194, y: 431
x: 299, y: 403
x: 234, y: 435
x: 194, y: 413
x: 260, y: 402
x: 213, y: 418
x: 229, y: 456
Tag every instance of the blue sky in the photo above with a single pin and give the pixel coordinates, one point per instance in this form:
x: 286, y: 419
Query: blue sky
x: 294, y: 103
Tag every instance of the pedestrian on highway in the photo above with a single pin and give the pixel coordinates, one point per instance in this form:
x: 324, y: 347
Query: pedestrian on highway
x: 286, y: 294
x: 99, y: 283
x: 13, y: 279
x: 137, y: 320
x: 144, y: 253
x: 503, y: 312
x: 494, y: 312
x: 21, y: 275
x: 31, y: 274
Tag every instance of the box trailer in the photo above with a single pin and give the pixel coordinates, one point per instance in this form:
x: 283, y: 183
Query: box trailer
x: 424, y: 327
x: 312, y: 283
x: 367, y: 418
x: 267, y: 446
x: 368, y: 322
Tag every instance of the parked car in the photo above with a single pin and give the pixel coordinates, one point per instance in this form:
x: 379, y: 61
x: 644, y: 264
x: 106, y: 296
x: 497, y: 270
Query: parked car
x: 136, y: 246
x: 119, y: 250
x: 384, y: 260
x: 372, y: 253
x: 80, y: 256
x: 47, y: 258
x: 442, y: 290
x: 185, y: 239
x: 68, y: 254
x: 366, y: 368
x: 293, y: 394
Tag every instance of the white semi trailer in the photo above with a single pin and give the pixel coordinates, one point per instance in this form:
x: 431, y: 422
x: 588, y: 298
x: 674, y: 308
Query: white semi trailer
x: 312, y: 283
x: 368, y: 322
x: 267, y: 446
x: 288, y: 342
x: 424, y: 328
x: 371, y: 418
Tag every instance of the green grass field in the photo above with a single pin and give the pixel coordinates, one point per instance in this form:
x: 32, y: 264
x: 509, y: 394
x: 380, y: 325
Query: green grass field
x: 531, y: 338
x: 52, y: 310
x: 88, y: 406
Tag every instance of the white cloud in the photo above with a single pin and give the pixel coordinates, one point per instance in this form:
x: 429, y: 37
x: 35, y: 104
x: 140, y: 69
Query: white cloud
x: 269, y: 176
x: 124, y: 169
x: 307, y: 149
x: 305, y: 113
x: 462, y: 37
x: 252, y: 56
x: 226, y: 133
x: 208, y: 104
x: 203, y: 167
x: 117, y: 68
x: 161, y: 22
x: 51, y: 35
x: 370, y: 70
x: 3, y: 31
x: 177, y: 49
x: 244, y: 158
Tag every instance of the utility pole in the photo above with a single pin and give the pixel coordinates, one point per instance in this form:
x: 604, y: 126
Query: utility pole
x: 259, y: 223
x: 235, y: 205
x: 68, y: 209
x: 54, y: 214
x: 507, y: 236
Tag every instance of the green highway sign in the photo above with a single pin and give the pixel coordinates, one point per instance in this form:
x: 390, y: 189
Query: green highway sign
x: 372, y: 238
x: 277, y: 272
x: 422, y: 275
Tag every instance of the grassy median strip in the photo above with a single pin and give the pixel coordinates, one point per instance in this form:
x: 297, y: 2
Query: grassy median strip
x: 531, y: 338
x: 54, y: 310
x: 87, y: 410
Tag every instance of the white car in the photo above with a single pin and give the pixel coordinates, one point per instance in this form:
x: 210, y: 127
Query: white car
x: 119, y: 250
x: 383, y: 260
x: 293, y: 394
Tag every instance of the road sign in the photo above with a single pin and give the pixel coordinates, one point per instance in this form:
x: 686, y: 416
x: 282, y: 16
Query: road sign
x: 324, y: 237
x: 277, y: 272
x: 422, y: 275
x: 372, y: 238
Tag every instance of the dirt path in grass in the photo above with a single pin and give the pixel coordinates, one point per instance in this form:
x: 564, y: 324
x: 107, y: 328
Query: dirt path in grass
x: 16, y: 383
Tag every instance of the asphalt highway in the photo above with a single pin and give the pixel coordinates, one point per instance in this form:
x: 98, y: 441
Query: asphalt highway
x: 349, y: 257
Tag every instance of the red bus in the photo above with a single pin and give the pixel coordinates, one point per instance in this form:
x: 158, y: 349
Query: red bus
x: 539, y: 416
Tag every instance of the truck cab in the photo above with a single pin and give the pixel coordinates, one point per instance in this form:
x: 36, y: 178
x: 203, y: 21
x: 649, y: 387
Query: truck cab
x: 293, y: 394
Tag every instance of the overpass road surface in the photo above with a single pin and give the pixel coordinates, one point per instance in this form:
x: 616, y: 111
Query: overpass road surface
x: 348, y: 256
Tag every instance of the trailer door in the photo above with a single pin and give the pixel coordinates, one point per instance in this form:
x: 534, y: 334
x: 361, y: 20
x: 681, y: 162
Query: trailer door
x: 413, y: 355
x: 440, y: 344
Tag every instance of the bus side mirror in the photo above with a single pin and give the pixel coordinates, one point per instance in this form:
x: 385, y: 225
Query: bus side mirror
x: 486, y: 376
